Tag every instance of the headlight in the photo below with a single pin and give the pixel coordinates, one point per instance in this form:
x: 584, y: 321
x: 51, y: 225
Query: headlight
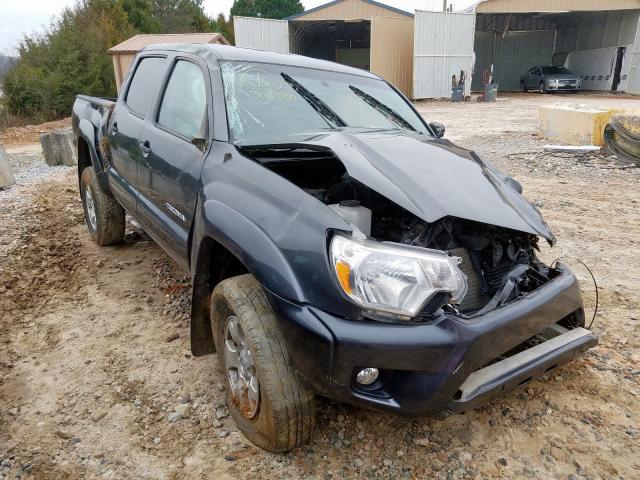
x: 394, y: 278
x: 553, y: 81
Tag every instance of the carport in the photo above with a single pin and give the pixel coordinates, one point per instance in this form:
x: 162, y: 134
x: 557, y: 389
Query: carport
x: 343, y: 41
x: 361, y: 33
x: 595, y: 39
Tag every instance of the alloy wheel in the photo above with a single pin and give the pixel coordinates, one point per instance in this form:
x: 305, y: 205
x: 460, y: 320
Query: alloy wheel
x: 241, y: 370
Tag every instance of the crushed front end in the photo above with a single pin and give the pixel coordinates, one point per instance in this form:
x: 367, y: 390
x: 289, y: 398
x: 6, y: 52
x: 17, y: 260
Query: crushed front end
x: 444, y: 314
x: 449, y: 361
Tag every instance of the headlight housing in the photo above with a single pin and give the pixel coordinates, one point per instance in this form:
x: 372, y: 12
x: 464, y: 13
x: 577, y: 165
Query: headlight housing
x: 392, y: 278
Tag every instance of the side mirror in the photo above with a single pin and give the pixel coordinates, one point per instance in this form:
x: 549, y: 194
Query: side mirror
x: 516, y: 185
x: 438, y: 129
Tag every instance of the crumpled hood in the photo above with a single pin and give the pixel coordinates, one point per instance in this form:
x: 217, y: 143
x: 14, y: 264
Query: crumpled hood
x: 432, y: 178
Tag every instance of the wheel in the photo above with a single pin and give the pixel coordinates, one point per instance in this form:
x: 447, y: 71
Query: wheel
x: 267, y: 401
x: 523, y: 87
x: 103, y: 214
x: 542, y: 88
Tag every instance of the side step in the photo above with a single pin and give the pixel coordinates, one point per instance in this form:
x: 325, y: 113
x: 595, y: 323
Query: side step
x: 519, y: 369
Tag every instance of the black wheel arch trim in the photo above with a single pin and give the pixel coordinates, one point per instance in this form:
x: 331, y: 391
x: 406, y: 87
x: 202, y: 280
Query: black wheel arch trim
x: 251, y: 246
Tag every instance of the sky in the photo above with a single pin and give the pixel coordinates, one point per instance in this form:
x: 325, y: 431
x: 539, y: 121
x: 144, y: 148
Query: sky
x: 18, y: 17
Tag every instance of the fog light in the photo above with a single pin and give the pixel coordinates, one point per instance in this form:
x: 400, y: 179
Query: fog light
x: 367, y: 376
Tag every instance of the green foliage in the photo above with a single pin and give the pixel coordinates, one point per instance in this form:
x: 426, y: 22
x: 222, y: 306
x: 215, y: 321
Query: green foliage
x: 141, y: 16
x: 67, y: 59
x: 221, y: 25
x: 71, y: 57
x: 180, y: 16
x: 277, y: 9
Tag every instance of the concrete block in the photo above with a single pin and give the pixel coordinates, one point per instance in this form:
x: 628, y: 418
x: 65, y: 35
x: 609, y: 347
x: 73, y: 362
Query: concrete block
x: 57, y: 147
x: 6, y: 175
x: 575, y: 124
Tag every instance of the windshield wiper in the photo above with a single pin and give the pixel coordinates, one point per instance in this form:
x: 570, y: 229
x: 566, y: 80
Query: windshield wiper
x: 388, y: 112
x: 317, y: 104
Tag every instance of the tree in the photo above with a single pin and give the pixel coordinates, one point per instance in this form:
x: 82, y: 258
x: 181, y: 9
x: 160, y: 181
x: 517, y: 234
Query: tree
x: 277, y: 9
x: 67, y: 59
x: 180, y: 16
x: 141, y: 16
x: 221, y: 25
x: 70, y: 56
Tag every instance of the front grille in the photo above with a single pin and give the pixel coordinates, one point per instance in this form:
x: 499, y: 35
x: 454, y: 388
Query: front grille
x: 475, y: 298
x: 480, y: 287
x: 495, y: 276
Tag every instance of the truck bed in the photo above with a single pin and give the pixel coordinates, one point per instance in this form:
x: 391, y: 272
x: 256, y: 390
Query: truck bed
x: 93, y: 109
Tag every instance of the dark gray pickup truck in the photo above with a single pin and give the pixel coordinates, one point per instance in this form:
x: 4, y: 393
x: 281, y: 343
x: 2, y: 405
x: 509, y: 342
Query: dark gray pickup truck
x: 338, y: 246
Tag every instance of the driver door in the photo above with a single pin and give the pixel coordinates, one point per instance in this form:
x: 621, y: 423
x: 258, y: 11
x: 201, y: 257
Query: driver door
x: 535, y: 75
x: 173, y: 143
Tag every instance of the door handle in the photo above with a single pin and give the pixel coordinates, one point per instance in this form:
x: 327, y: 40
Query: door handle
x: 145, y: 147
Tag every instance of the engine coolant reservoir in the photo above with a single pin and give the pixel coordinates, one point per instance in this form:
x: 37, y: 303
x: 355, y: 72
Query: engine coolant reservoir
x: 355, y: 214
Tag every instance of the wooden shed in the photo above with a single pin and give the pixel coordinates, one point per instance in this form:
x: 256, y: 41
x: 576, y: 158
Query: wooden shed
x: 124, y: 53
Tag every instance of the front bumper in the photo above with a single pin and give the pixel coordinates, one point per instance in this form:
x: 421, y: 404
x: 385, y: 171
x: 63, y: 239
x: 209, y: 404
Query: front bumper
x: 564, y: 87
x: 425, y: 367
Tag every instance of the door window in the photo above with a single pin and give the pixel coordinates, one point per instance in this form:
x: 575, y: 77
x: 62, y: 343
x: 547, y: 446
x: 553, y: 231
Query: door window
x: 184, y: 104
x: 144, y: 85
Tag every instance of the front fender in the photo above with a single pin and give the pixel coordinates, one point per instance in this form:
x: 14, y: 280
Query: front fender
x: 248, y: 243
x: 252, y: 246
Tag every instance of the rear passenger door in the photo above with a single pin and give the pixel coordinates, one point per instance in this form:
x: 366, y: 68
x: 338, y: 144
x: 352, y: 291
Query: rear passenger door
x: 173, y: 144
x: 127, y: 123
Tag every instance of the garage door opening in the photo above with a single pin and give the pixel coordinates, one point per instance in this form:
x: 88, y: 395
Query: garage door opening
x: 343, y: 41
x: 595, y: 46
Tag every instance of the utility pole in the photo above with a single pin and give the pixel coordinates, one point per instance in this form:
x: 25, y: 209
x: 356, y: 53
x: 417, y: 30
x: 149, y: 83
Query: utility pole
x: 444, y: 5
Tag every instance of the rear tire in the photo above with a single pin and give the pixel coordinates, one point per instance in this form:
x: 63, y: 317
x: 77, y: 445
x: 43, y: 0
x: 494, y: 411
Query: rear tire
x: 103, y: 215
x: 285, y: 415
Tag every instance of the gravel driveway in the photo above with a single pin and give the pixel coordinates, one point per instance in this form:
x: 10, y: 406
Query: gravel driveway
x: 97, y: 380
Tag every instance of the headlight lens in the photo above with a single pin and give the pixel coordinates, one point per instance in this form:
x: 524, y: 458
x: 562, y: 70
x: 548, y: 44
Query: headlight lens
x: 394, y: 278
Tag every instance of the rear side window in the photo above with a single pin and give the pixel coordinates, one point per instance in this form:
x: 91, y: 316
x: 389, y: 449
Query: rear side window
x: 143, y: 88
x: 184, y: 104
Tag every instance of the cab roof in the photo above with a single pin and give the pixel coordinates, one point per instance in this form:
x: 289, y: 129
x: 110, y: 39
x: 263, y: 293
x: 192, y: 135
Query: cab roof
x: 213, y: 53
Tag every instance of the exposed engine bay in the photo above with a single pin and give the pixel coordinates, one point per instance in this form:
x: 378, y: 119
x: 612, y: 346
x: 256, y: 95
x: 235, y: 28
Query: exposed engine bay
x: 500, y: 264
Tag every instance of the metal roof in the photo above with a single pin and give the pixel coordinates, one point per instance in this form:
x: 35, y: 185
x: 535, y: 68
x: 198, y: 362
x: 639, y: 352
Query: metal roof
x: 372, y: 2
x: 550, y: 6
x: 138, y: 42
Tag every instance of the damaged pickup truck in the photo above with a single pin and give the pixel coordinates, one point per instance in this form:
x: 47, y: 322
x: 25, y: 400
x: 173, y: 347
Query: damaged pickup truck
x: 338, y: 246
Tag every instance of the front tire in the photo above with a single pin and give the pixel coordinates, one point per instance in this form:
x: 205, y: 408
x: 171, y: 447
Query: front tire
x: 266, y: 399
x: 103, y: 215
x: 523, y: 87
x: 541, y: 88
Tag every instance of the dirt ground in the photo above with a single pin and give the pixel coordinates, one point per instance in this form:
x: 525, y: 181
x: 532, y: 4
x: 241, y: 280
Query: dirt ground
x: 94, y: 354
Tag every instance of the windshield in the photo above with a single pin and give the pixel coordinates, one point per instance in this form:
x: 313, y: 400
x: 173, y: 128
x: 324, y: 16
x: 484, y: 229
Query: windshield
x: 554, y: 70
x: 267, y: 103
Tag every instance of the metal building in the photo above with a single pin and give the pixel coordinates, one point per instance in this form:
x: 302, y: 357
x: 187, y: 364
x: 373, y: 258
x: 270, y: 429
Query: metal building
x: 597, y: 39
x: 361, y: 33
x: 124, y: 53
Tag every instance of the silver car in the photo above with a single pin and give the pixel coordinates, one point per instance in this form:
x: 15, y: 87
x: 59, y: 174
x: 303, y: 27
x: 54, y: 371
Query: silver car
x: 547, y: 78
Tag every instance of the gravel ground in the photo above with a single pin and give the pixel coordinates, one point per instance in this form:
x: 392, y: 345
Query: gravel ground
x: 96, y: 378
